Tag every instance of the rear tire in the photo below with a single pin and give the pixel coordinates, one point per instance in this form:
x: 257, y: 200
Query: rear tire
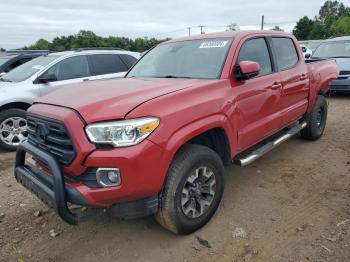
x: 316, y: 120
x: 13, y: 126
x: 192, y: 191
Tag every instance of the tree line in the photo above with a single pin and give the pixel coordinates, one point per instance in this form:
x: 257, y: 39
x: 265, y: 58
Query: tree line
x: 332, y: 20
x: 85, y: 39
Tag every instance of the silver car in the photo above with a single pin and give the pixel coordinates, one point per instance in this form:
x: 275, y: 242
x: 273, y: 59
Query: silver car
x: 20, y: 87
x: 339, y: 49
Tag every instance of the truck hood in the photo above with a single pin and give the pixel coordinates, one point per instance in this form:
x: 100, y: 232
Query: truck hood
x: 114, y: 98
x: 343, y: 64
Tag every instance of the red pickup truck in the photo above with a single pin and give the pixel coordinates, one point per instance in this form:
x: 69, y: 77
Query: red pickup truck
x: 156, y: 141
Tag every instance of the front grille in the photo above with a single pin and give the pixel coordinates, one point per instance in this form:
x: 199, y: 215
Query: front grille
x: 342, y: 73
x: 52, y: 137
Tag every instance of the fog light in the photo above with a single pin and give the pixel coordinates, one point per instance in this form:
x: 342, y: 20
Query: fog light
x: 108, y: 177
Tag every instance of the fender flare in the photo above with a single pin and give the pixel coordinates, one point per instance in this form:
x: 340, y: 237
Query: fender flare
x: 193, y: 129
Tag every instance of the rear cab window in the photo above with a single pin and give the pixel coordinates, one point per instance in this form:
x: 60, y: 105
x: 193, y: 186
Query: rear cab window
x: 103, y: 64
x: 256, y: 50
x: 285, y: 52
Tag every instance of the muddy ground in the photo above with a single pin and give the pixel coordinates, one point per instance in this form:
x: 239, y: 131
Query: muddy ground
x: 291, y: 205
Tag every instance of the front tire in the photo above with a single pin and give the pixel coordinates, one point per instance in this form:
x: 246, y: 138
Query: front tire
x: 192, y: 191
x: 13, y: 128
x: 316, y: 120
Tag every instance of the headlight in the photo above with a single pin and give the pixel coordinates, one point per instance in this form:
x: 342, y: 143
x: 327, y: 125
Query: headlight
x: 122, y: 133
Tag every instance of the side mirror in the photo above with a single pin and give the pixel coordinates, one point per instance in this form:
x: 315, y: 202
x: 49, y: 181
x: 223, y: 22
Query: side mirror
x: 307, y: 56
x: 246, y: 70
x: 47, y: 78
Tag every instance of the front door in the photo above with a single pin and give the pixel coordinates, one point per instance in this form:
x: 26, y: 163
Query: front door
x: 258, y: 99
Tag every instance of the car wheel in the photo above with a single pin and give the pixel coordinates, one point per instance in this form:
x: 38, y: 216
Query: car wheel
x: 13, y: 128
x: 193, y: 189
x: 316, y: 120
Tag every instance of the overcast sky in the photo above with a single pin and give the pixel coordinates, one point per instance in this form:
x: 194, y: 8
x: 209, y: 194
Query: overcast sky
x: 22, y: 22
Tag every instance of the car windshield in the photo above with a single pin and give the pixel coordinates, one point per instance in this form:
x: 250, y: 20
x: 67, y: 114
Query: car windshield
x: 333, y: 49
x: 313, y: 45
x: 201, y: 59
x: 28, y: 69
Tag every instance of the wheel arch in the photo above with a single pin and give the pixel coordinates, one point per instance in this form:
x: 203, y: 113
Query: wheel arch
x: 15, y: 105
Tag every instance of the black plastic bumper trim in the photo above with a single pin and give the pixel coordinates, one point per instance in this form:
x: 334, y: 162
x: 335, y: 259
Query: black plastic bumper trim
x: 56, y: 196
x: 136, y: 209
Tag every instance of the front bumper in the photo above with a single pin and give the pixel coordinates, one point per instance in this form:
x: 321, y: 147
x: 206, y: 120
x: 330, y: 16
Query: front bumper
x: 56, y: 192
x: 340, y: 85
x: 51, y: 190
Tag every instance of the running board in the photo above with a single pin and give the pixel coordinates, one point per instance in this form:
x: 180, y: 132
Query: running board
x: 250, y: 158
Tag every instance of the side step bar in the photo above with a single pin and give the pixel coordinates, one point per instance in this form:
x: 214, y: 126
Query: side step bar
x: 250, y: 158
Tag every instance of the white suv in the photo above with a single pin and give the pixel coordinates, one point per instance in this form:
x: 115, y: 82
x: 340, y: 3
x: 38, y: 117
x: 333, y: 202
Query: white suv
x: 20, y: 87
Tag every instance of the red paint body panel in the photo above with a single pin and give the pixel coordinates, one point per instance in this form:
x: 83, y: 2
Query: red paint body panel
x: 248, y: 111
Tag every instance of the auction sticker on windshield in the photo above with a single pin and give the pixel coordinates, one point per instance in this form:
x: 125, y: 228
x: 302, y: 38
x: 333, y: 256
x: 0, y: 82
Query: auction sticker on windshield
x: 213, y: 44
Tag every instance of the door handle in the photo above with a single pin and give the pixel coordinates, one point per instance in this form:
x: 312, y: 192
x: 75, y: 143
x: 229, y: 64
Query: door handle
x: 276, y: 85
x: 86, y: 79
x: 303, y: 77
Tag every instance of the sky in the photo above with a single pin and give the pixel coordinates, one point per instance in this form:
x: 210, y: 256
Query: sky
x: 23, y: 22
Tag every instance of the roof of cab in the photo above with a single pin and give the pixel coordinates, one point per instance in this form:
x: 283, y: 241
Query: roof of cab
x: 229, y: 34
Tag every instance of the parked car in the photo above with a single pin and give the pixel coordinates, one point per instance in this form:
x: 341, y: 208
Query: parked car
x: 306, y: 51
x: 20, y: 87
x: 156, y: 141
x: 14, y: 58
x: 339, y: 49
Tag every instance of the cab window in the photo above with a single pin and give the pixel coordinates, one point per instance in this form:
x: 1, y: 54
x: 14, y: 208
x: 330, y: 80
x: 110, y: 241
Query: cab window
x: 256, y: 50
x: 286, y: 53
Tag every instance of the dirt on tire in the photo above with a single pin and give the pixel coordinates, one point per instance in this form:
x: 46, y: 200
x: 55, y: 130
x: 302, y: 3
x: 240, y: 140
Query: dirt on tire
x: 293, y: 204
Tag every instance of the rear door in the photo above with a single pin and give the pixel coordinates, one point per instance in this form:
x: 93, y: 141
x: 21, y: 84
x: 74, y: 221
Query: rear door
x: 70, y: 70
x: 107, y: 66
x: 257, y: 99
x: 294, y: 79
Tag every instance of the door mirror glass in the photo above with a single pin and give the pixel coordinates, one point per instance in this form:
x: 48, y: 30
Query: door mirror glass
x: 47, y: 78
x: 246, y: 70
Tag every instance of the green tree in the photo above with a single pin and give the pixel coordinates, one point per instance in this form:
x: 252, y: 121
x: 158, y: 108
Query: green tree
x: 41, y: 44
x: 303, y: 28
x: 232, y: 27
x: 341, y: 26
x: 90, y: 39
x: 319, y: 31
x: 277, y: 28
x: 330, y: 10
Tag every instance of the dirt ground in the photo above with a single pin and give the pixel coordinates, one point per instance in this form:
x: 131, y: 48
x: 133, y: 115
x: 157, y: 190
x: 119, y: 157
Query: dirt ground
x: 291, y: 205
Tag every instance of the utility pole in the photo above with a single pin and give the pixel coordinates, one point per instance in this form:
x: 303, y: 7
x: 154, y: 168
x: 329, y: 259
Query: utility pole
x: 202, y: 26
x: 189, y: 31
x: 262, y: 22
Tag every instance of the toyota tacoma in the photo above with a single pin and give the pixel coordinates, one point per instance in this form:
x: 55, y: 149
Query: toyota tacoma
x: 156, y: 141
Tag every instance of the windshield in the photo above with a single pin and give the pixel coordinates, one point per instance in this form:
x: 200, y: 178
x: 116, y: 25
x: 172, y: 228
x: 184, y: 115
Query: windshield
x: 3, y: 60
x: 28, y: 69
x: 188, y: 59
x: 333, y: 49
x: 313, y: 45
